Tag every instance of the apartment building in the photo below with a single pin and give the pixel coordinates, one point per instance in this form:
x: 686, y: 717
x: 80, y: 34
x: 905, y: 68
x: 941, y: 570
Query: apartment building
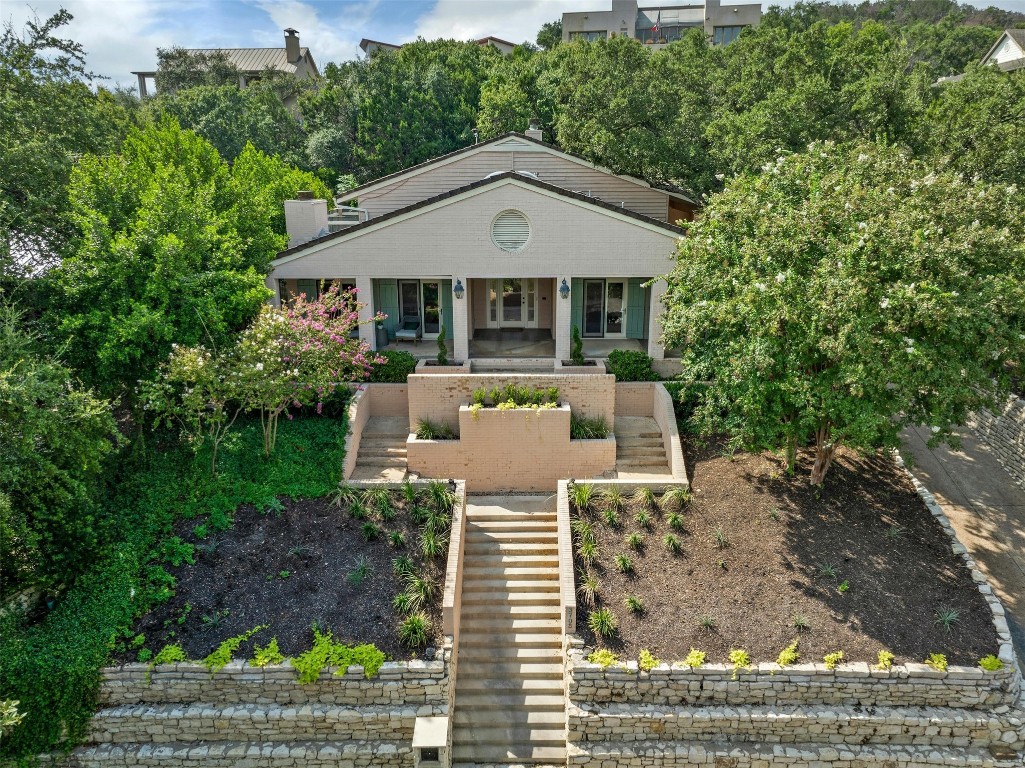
x: 660, y: 25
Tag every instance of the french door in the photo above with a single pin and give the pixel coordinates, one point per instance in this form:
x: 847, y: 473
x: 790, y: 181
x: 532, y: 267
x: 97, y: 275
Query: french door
x: 605, y: 309
x: 420, y: 300
x: 512, y: 302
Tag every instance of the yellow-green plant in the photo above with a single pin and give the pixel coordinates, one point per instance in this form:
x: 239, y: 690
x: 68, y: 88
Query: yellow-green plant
x: 937, y: 661
x: 169, y: 654
x: 695, y: 658
x: 833, y: 660
x: 222, y: 654
x: 268, y: 654
x: 646, y: 661
x: 740, y: 660
x: 991, y: 663
x: 884, y: 660
x: 788, y: 655
x: 603, y: 657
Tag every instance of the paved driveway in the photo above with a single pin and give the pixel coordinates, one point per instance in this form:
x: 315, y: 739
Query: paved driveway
x: 986, y: 508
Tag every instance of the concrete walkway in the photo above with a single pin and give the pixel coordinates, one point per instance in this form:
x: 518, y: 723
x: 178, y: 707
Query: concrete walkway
x: 986, y: 508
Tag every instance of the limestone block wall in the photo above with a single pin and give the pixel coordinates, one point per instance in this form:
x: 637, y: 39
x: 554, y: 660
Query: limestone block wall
x: 515, y: 450
x: 1004, y: 433
x: 438, y: 396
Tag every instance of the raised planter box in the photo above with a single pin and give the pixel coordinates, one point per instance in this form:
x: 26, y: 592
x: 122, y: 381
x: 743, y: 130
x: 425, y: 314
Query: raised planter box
x: 431, y: 366
x: 567, y: 366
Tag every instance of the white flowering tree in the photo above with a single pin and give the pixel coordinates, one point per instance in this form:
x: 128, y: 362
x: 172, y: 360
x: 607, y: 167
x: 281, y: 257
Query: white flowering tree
x: 197, y: 390
x: 299, y: 355
x: 844, y: 293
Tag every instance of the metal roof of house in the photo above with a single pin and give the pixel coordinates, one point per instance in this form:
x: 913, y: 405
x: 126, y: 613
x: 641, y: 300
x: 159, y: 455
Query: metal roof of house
x: 256, y: 59
x: 491, y: 179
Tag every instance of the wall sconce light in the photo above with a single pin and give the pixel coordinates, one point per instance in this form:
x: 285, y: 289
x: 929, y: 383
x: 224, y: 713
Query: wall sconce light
x: 458, y: 289
x: 564, y: 289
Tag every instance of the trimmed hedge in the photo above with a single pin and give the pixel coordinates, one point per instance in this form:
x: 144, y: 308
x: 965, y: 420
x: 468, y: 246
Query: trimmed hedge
x: 397, y: 366
x: 631, y: 365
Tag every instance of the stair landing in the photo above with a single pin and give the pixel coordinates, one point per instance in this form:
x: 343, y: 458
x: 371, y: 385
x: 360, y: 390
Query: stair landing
x: 640, y: 450
x: 382, y: 449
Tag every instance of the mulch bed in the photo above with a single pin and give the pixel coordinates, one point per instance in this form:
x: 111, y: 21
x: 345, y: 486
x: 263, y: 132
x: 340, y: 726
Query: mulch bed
x: 780, y: 532
x: 243, y: 584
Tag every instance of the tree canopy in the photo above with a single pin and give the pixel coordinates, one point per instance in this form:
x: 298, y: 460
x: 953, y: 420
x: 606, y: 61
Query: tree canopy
x: 845, y: 292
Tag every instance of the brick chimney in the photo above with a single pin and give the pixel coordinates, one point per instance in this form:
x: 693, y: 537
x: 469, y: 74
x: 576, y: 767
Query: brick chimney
x: 291, y: 45
x: 534, y: 131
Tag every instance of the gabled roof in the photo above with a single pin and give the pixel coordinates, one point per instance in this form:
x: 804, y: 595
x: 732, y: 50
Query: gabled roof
x: 670, y: 189
x: 1017, y: 35
x: 256, y: 60
x: 493, y: 179
x: 493, y: 39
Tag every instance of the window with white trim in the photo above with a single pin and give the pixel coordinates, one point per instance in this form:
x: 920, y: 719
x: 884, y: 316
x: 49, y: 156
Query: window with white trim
x: 510, y: 231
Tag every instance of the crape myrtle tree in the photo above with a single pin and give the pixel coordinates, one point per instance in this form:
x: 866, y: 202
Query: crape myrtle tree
x: 844, y: 293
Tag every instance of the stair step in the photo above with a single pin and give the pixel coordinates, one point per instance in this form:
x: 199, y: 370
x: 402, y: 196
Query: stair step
x: 636, y: 440
x: 642, y: 462
x: 469, y: 640
x: 516, y: 670
x: 383, y: 453
x: 523, y: 524
x: 543, y: 584
x: 533, y: 655
x: 637, y: 451
x: 509, y: 686
x: 478, y: 754
x: 507, y: 623
x: 380, y: 461
x: 495, y: 547
x: 471, y: 573
x: 230, y: 754
x: 513, y: 734
x: 379, y: 439
x: 475, y: 534
x: 505, y: 599
x: 487, y: 612
x: 511, y: 560
x: 475, y: 515
x: 516, y: 717
x: 535, y: 702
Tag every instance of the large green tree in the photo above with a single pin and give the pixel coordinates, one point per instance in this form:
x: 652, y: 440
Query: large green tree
x: 173, y: 247
x: 845, y: 292
x: 54, y: 437
x: 49, y: 115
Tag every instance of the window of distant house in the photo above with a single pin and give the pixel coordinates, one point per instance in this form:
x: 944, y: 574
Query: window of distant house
x: 587, y: 37
x: 724, y: 35
x: 667, y: 33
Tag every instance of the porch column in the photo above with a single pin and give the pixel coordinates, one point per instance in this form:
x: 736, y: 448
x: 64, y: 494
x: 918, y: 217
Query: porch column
x: 461, y: 319
x: 563, y: 319
x: 655, y: 348
x: 275, y: 295
x: 365, y: 294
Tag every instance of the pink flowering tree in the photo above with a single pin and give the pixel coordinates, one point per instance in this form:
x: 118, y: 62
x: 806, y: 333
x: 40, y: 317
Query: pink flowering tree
x: 298, y: 355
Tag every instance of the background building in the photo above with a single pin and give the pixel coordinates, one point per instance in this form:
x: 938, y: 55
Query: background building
x: 661, y: 25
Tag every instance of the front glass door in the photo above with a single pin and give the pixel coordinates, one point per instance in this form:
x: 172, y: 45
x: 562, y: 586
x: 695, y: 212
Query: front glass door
x: 594, y: 307
x: 409, y: 301
x: 615, y: 308
x: 512, y: 302
x: 432, y: 308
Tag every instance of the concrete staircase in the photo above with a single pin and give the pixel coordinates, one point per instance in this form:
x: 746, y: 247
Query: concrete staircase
x: 382, y: 449
x: 510, y: 696
x: 640, y: 451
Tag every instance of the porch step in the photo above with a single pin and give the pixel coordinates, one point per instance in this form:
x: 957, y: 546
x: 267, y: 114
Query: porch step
x: 635, y: 441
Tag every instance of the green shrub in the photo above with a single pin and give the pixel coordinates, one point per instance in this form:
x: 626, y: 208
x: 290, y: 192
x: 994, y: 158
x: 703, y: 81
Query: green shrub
x: 268, y: 654
x: 631, y: 365
x: 991, y: 663
x: 327, y: 653
x: 603, y: 657
x: 937, y: 661
x: 222, y: 654
x: 518, y: 395
x: 646, y: 661
x: 603, y: 623
x: 695, y: 658
x: 884, y: 660
x: 576, y: 347
x: 584, y: 428
x: 414, y: 630
x: 833, y: 660
x: 740, y: 659
x: 396, y: 367
x: 432, y: 430
x: 788, y: 655
x: 442, y: 348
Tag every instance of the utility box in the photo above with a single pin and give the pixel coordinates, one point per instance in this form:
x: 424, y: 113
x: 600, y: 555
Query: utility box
x: 430, y: 743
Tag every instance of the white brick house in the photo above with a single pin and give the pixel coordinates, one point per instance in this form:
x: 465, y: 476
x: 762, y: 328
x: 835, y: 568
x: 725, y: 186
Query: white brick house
x: 510, y: 239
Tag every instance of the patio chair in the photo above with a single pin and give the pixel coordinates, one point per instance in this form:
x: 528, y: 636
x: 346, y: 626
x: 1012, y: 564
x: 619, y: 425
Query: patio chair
x: 411, y: 330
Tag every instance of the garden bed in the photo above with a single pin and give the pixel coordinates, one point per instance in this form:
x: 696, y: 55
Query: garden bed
x: 859, y: 565
x: 292, y: 565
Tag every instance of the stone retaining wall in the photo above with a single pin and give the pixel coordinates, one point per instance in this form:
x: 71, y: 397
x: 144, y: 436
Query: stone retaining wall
x: 1004, y: 433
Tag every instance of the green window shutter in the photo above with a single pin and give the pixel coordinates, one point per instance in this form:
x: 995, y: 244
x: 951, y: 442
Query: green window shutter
x: 446, y: 307
x: 576, y: 295
x: 389, y: 304
x: 309, y: 287
x: 636, y: 320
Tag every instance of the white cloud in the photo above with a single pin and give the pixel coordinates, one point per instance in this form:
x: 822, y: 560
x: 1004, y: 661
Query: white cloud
x: 118, y: 37
x: 513, y: 20
x: 335, y: 40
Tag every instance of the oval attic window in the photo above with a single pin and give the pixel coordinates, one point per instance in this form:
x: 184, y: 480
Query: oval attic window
x: 510, y: 230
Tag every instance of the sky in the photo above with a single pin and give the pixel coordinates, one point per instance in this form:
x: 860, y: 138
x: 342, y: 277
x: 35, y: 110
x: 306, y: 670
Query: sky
x: 123, y: 35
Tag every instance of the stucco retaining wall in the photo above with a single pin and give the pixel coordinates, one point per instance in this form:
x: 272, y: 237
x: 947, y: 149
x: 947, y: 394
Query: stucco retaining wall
x: 1004, y: 433
x: 438, y: 396
x: 514, y: 450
